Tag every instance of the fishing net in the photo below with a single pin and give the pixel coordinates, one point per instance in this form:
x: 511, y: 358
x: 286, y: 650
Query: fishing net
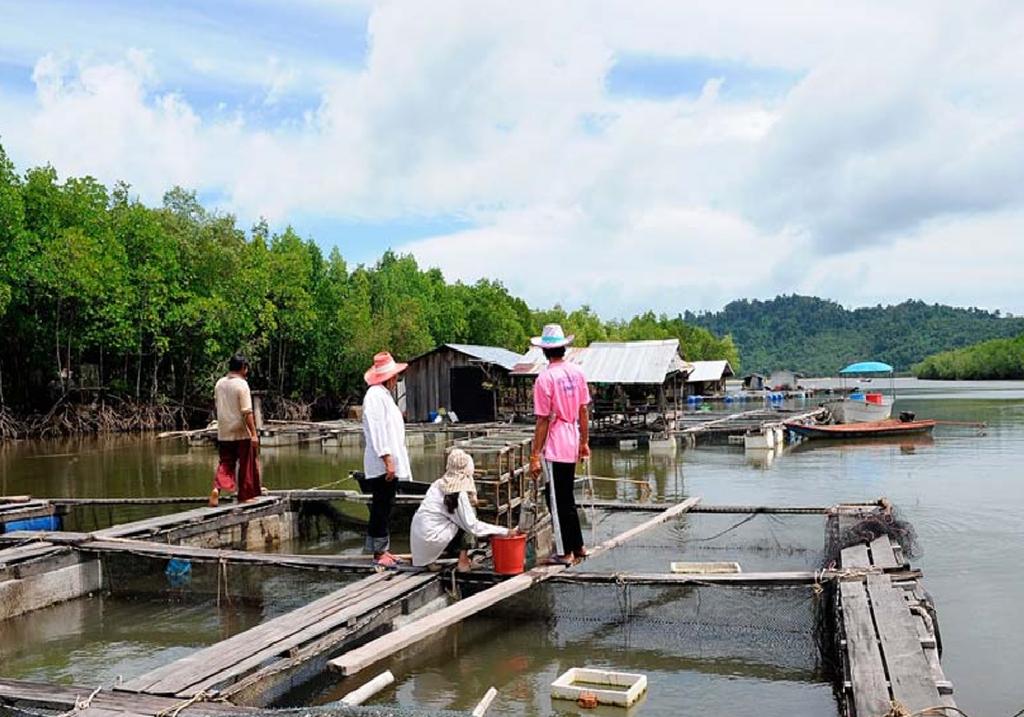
x: 864, y: 525
x: 701, y: 647
x: 267, y: 589
x: 756, y: 541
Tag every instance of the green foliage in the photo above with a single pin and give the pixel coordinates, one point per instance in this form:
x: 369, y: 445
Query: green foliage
x: 993, y: 359
x: 157, y: 298
x: 818, y: 337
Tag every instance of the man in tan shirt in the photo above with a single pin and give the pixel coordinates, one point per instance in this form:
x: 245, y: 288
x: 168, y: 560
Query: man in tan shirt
x: 237, y: 439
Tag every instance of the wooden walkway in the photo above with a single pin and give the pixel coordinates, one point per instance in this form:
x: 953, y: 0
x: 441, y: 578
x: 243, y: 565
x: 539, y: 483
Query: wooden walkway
x: 722, y: 423
x: 14, y: 511
x: 891, y: 652
x: 225, y: 516
x: 321, y: 627
x: 106, y: 702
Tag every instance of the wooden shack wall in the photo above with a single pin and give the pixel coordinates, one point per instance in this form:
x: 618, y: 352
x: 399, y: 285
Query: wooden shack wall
x: 428, y: 381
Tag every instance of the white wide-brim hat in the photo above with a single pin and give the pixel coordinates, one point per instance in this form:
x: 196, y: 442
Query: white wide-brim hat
x: 552, y: 337
x: 458, y: 474
x: 384, y: 367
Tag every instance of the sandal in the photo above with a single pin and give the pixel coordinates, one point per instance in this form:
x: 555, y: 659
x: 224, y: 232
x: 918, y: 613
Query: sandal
x: 385, y: 561
x: 394, y: 558
x: 558, y: 560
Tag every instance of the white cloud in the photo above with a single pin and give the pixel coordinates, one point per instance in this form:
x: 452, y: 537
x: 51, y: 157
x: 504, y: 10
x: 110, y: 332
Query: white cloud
x: 905, y: 132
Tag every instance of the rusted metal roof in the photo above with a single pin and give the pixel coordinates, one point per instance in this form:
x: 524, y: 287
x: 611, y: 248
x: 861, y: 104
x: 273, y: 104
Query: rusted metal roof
x: 638, y: 362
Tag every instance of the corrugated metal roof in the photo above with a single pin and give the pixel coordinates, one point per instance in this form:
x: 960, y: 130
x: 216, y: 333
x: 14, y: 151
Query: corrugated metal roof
x: 642, y: 362
x: 489, y: 354
x: 709, y: 371
x: 533, y: 362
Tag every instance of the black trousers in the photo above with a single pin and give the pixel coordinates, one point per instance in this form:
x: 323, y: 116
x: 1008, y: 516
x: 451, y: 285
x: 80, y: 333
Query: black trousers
x: 382, y: 492
x: 562, y: 502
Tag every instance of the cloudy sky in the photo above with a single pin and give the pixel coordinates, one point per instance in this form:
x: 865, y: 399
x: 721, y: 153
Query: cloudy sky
x: 638, y: 154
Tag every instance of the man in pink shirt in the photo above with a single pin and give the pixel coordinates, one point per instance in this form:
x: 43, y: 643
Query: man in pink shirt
x: 560, y: 400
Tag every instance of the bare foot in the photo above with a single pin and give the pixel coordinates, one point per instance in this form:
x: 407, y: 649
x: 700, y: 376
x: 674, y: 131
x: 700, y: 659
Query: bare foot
x: 214, y: 498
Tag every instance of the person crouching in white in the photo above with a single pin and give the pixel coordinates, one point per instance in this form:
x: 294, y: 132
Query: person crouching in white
x: 446, y: 517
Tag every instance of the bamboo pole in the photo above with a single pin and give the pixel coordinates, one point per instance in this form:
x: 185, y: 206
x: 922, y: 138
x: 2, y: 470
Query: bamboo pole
x: 483, y: 705
x: 378, y: 683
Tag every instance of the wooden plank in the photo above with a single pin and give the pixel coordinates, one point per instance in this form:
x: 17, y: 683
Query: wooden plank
x: 882, y: 555
x: 401, y: 499
x: 26, y: 511
x: 12, y: 556
x: 909, y: 671
x: 197, y: 515
x: 50, y: 536
x: 867, y: 672
x: 931, y: 654
x: 795, y: 577
x: 856, y: 556
x: 178, y: 675
x: 362, y: 657
x: 60, y: 697
x: 349, y: 563
x: 402, y: 586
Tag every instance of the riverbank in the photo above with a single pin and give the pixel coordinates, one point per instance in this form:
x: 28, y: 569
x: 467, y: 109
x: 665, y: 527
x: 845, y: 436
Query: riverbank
x: 997, y: 359
x: 67, y: 418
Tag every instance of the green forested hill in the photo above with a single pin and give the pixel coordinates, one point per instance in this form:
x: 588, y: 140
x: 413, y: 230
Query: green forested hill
x: 992, y: 359
x: 817, y: 336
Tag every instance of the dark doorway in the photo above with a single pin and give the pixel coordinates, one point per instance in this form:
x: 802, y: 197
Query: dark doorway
x: 471, y: 401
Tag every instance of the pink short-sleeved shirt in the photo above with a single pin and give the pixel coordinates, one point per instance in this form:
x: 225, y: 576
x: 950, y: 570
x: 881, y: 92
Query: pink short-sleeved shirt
x: 559, y: 392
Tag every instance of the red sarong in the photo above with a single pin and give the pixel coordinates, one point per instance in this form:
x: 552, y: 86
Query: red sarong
x: 239, y: 464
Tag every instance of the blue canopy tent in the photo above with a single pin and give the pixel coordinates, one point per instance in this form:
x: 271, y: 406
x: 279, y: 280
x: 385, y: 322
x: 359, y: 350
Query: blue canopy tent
x: 867, y: 367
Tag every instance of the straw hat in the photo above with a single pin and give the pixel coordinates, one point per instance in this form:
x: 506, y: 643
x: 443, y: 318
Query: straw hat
x: 552, y: 337
x: 384, y: 367
x: 458, y: 474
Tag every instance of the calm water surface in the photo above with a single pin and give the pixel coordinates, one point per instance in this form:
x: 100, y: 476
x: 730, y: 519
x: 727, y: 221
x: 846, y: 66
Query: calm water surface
x: 962, y: 491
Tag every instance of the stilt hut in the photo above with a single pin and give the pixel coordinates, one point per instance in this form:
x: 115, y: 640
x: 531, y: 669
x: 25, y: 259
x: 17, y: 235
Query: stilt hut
x: 470, y: 380
x: 629, y: 381
x: 708, y: 378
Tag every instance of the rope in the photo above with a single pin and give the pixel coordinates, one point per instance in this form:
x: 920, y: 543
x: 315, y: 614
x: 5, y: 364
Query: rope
x: 328, y: 485
x: 81, y: 705
x: 173, y: 711
x: 898, y: 709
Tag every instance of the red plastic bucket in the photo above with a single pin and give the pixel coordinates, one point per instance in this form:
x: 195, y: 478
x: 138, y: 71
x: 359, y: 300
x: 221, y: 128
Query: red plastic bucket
x: 509, y: 554
x: 874, y: 398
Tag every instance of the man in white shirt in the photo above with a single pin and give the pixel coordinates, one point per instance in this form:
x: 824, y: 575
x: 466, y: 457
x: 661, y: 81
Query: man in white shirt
x: 237, y: 439
x: 386, y: 459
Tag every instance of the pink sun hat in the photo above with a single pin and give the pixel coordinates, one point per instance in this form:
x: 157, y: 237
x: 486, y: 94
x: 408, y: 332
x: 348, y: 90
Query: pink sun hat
x: 384, y: 367
x: 552, y: 337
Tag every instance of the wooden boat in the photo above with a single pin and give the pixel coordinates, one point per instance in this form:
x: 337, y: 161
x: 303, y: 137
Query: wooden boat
x: 867, y: 429
x: 864, y: 407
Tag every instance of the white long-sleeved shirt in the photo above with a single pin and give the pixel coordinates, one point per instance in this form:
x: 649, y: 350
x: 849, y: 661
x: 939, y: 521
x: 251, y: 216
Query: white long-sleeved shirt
x: 433, y: 527
x: 384, y: 431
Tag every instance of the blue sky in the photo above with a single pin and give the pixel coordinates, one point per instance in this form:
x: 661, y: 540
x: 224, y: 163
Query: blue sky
x: 714, y: 151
